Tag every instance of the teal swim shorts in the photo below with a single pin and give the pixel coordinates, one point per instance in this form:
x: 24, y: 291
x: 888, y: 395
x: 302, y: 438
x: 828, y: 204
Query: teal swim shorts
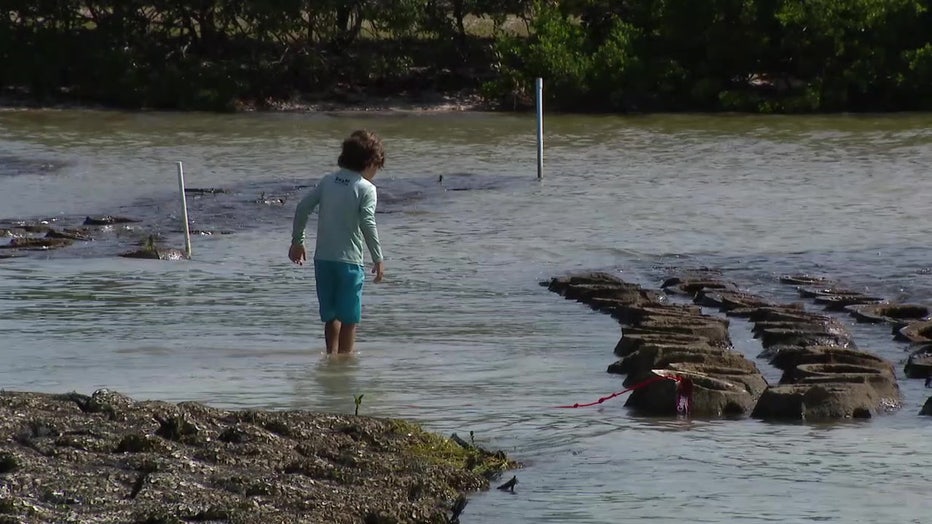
x: 339, y: 290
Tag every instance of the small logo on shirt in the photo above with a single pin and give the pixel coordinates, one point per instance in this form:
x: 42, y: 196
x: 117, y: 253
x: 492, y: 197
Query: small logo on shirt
x: 342, y: 181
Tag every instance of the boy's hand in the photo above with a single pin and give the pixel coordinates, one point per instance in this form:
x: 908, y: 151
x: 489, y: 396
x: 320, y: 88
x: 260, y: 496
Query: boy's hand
x: 297, y: 254
x: 378, y: 269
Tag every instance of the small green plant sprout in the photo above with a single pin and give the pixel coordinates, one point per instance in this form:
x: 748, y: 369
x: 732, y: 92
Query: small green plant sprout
x: 358, y: 400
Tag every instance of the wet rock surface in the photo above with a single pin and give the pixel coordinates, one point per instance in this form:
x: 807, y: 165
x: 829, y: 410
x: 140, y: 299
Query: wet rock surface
x: 787, y: 359
x: 927, y: 408
x: 657, y: 335
x: 910, y: 323
x: 108, y: 220
x: 919, y: 363
x: 897, y: 315
x: 106, y: 458
x: 804, y: 280
x: 70, y: 234
x: 825, y: 375
x: 917, y: 332
x: 11, y: 165
x: 34, y: 244
x: 156, y: 253
x: 813, y: 387
x: 57, y: 234
x: 152, y: 249
x: 830, y: 401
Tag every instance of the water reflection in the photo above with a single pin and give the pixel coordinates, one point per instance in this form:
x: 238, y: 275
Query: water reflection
x: 329, y: 384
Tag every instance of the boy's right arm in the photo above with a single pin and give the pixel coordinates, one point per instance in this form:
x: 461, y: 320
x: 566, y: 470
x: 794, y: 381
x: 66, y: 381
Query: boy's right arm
x: 305, y: 208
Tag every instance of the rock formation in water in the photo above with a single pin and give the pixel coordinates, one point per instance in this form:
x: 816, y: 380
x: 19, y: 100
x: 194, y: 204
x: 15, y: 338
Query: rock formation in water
x: 896, y: 315
x: 36, y: 244
x: 108, y: 220
x: 917, y: 332
x: 47, y: 234
x: 107, y: 459
x: 825, y: 376
x: 910, y: 323
x: 919, y: 363
x: 659, y: 335
x: 151, y: 249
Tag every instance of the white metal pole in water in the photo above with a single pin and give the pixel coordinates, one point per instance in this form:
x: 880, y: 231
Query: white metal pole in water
x: 184, y: 212
x: 540, y: 128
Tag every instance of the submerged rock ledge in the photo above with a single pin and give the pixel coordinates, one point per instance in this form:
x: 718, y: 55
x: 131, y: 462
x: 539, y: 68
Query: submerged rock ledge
x: 106, y: 458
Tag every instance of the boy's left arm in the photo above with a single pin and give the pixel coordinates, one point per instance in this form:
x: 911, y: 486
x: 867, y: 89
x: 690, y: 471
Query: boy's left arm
x: 370, y: 231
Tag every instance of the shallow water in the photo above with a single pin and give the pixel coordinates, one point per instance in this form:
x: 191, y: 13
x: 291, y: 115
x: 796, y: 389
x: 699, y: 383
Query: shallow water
x: 461, y: 337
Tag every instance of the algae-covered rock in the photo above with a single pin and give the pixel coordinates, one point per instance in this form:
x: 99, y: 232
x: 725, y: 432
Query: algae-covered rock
x: 106, y: 458
x: 804, y: 280
x: 37, y: 244
x: 150, y: 249
x: 787, y: 358
x: 108, y: 220
x: 156, y: 254
x: 820, y: 402
x: 927, y: 408
x: 919, y: 363
x: 711, y: 397
x: 70, y: 234
x: 917, y: 332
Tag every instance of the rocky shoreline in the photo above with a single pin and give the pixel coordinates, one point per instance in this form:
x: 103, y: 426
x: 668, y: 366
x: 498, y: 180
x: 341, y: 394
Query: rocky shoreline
x: 107, y: 458
x: 466, y: 100
x: 421, y: 102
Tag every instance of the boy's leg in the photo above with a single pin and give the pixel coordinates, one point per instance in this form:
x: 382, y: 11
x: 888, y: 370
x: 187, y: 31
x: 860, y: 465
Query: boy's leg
x: 347, y: 338
x: 349, y: 305
x: 327, y: 279
x: 332, y: 334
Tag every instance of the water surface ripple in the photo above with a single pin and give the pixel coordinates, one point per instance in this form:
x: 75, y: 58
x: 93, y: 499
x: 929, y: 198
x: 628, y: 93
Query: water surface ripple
x: 461, y: 337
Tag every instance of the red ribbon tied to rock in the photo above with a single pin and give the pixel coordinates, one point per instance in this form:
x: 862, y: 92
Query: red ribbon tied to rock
x: 684, y: 391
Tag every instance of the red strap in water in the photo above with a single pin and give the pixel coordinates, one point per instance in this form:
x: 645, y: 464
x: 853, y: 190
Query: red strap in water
x: 613, y: 395
x: 684, y: 396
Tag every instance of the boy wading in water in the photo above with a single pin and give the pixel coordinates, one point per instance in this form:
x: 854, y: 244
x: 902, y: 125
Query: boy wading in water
x: 347, y: 200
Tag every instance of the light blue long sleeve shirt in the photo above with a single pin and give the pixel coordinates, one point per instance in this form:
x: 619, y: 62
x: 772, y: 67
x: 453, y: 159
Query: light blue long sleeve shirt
x: 345, y: 221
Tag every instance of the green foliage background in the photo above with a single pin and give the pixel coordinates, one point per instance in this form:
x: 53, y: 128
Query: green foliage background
x: 596, y: 55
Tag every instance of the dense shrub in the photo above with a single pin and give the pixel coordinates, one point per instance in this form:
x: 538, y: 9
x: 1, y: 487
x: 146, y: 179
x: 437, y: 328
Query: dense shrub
x: 596, y: 55
x: 741, y: 55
